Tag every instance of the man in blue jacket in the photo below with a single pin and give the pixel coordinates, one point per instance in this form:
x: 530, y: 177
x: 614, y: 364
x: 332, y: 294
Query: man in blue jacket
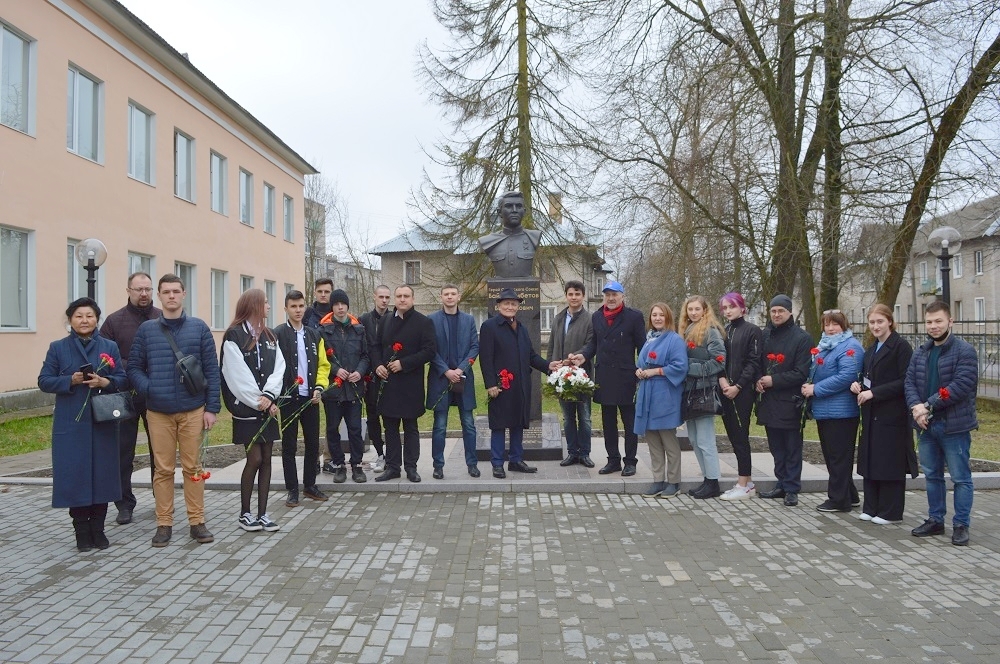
x: 941, y: 384
x: 177, y: 418
x: 450, y: 381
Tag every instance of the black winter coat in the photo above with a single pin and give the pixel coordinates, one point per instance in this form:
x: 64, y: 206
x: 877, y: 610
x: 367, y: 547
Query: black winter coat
x: 403, y: 393
x: 501, y: 347
x: 781, y: 405
x: 744, y: 341
x: 615, y: 349
x: 886, y: 446
x: 346, y: 347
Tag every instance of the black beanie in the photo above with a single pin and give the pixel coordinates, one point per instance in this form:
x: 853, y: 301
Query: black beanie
x: 782, y: 300
x: 339, y: 296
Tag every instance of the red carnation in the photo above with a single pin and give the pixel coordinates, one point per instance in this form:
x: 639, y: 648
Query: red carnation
x: 329, y: 352
x: 850, y: 352
x: 299, y: 381
x: 472, y: 361
x: 195, y: 478
x: 691, y: 344
x: 819, y: 360
x: 205, y: 475
x: 652, y: 354
x: 944, y: 394
x: 772, y: 357
x: 107, y: 359
x: 396, y: 347
x: 368, y: 378
x: 779, y: 358
x: 337, y: 382
x: 814, y: 351
x: 720, y: 358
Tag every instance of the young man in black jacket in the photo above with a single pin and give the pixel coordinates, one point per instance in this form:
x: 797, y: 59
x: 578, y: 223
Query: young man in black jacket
x: 370, y: 319
x: 305, y: 358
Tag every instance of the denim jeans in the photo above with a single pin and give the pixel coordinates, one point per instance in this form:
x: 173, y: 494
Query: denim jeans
x: 350, y: 413
x: 937, y: 449
x: 701, y: 434
x: 468, y: 435
x: 497, y: 445
x: 576, y: 426
x: 786, y: 448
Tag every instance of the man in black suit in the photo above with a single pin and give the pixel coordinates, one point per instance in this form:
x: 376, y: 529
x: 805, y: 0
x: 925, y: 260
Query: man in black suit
x: 405, y: 343
x: 619, y: 334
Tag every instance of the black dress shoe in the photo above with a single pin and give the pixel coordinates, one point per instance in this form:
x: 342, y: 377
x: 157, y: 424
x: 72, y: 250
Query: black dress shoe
x: 928, y: 528
x: 498, y: 472
x: 628, y: 470
x: 124, y: 516
x: 776, y: 492
x: 791, y: 499
x: 585, y: 460
x: 388, y: 475
x: 413, y: 476
x: 438, y: 473
x: 611, y: 467
x: 474, y: 471
x: 569, y: 461
x: 521, y: 467
x: 959, y: 536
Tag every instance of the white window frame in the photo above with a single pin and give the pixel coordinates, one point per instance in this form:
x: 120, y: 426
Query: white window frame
x: 270, y: 294
x: 24, y: 281
x: 150, y: 144
x: 897, y: 313
x: 548, y: 314
x: 977, y: 259
x: 190, y: 301
x: 288, y: 217
x: 220, y: 297
x: 73, y: 108
x: 411, y: 273
x: 270, y: 198
x: 25, y: 122
x: 246, y: 197
x: 980, y: 310
x: 288, y: 287
x: 957, y: 310
x: 246, y: 283
x: 218, y: 169
x: 923, y: 271
x: 956, y: 266
x: 187, y: 163
x: 138, y: 262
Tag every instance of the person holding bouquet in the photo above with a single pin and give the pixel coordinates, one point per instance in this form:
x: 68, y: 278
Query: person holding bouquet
x: 506, y: 359
x: 253, y: 370
x: 663, y: 368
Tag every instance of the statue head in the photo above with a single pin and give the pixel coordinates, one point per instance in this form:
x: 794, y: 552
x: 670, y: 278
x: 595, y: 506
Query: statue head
x: 511, y: 209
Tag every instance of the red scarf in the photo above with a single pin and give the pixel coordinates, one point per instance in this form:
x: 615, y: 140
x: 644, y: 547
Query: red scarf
x: 609, y: 316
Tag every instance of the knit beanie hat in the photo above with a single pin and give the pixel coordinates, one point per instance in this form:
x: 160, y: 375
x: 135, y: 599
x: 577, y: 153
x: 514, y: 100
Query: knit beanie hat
x: 339, y: 297
x: 779, y: 300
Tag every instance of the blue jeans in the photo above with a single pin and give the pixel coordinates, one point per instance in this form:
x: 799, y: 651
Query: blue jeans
x: 937, y: 449
x: 786, y: 448
x: 496, y: 446
x: 468, y: 435
x: 576, y: 427
x: 701, y: 434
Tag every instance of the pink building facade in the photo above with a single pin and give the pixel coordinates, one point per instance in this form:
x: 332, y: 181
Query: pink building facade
x: 107, y: 132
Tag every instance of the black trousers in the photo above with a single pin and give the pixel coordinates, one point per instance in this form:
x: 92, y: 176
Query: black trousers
x: 609, y: 420
x: 350, y: 413
x: 786, y: 448
x: 309, y: 421
x: 128, y: 431
x: 885, y: 498
x: 736, y: 418
x: 374, y: 422
x: 837, y: 439
x: 405, y: 452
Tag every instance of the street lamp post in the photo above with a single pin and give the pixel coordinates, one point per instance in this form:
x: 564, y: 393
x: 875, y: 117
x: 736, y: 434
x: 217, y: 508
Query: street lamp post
x: 945, y: 242
x: 91, y: 254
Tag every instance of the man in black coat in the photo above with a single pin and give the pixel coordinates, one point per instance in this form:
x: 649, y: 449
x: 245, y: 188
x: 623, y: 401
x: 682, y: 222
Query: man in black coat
x: 370, y: 320
x: 779, y: 407
x: 405, y: 343
x: 506, y: 359
x: 619, y: 334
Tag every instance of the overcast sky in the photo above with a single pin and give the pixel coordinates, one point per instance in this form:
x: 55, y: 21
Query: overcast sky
x: 334, y: 79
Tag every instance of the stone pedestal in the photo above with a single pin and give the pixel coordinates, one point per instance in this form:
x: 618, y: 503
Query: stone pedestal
x: 542, y: 442
x: 530, y: 315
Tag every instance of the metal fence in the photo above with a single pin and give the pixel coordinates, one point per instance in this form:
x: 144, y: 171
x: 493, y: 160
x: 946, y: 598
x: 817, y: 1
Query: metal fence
x: 984, y: 337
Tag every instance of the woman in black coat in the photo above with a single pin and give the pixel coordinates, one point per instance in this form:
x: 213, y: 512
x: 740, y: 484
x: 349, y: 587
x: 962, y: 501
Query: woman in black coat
x: 885, y: 453
x: 506, y: 358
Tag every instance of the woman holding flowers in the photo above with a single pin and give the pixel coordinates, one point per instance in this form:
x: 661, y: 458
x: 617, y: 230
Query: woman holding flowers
x: 743, y: 346
x: 84, y: 453
x: 706, y: 352
x: 663, y: 368
x: 836, y: 364
x: 885, y: 450
x: 253, y: 369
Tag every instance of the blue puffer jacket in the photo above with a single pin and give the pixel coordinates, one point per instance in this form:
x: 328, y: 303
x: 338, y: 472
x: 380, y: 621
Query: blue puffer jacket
x: 958, y: 370
x: 832, y: 398
x: 152, y: 367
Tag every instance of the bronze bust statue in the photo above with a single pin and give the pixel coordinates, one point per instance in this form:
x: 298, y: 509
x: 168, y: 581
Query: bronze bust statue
x: 512, y: 250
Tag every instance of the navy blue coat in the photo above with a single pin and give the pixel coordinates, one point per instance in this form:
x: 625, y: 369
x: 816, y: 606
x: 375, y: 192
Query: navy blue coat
x: 402, y: 395
x: 152, y: 367
x: 84, y: 453
x: 501, y: 347
x: 958, y: 370
x: 467, y: 350
x: 614, y: 350
x: 885, y: 447
x: 780, y: 407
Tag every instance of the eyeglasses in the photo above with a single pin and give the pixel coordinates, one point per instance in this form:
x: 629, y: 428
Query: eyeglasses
x: 832, y: 311
x: 142, y: 291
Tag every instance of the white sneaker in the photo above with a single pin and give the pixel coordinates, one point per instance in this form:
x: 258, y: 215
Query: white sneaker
x: 250, y: 524
x: 379, y: 465
x: 740, y: 492
x: 864, y: 516
x: 266, y: 523
x: 879, y: 521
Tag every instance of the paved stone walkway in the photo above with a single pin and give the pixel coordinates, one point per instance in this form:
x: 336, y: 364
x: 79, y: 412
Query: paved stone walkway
x: 507, y: 577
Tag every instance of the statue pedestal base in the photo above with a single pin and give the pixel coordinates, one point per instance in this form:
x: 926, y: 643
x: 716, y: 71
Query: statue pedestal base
x: 542, y: 442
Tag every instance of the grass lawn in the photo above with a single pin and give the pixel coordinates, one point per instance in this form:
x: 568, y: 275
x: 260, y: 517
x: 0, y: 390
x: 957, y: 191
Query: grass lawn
x: 29, y: 435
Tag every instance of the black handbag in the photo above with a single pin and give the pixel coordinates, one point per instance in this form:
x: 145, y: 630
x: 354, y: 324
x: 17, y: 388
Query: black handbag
x: 112, y: 407
x: 189, y: 368
x: 699, y: 403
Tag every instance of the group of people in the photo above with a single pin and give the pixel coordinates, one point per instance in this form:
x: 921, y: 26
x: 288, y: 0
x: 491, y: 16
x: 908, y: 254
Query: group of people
x: 651, y: 375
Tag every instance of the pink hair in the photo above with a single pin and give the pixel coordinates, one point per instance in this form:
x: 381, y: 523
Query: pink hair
x: 735, y: 299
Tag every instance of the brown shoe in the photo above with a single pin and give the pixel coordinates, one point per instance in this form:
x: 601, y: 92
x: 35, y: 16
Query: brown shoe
x: 200, y: 534
x: 162, y: 536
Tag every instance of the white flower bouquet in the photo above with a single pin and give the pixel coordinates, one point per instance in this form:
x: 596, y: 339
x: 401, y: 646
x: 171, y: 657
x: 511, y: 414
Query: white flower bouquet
x: 569, y: 384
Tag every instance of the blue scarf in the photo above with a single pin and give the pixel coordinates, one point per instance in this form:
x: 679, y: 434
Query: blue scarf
x: 652, y: 334
x: 828, y: 342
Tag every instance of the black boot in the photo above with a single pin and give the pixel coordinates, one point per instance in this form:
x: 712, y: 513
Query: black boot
x: 84, y: 538
x: 698, y: 489
x: 710, y: 489
x: 97, y: 532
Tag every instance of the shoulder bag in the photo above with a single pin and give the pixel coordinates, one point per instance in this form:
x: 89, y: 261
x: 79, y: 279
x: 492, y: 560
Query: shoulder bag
x: 112, y: 407
x: 189, y: 368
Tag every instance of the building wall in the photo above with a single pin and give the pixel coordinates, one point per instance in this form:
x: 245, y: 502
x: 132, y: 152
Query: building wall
x: 55, y: 195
